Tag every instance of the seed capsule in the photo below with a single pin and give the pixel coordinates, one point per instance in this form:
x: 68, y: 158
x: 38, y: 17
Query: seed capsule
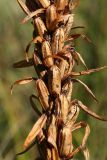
x: 51, y: 17
x: 52, y: 132
x: 61, y: 4
x: 65, y: 142
x: 40, y: 26
x: 54, y: 80
x: 62, y: 107
x: 69, y: 24
x: 67, y: 89
x: 72, y: 115
x: 58, y: 40
x: 43, y: 94
x: 44, y: 3
x: 46, y: 51
x: 64, y: 67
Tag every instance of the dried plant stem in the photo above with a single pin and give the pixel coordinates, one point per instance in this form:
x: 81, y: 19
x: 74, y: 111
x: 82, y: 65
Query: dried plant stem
x: 53, y: 59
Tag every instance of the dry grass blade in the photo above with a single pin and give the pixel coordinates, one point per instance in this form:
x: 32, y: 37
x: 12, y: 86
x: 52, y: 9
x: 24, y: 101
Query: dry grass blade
x: 22, y: 81
x: 35, y: 131
x: 87, y: 110
x: 32, y: 14
x: 23, y: 6
x: 86, y: 87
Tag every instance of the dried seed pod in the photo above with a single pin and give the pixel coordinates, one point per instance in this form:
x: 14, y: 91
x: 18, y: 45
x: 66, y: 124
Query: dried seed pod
x: 65, y: 145
x: 46, y: 51
x: 51, y: 17
x: 54, y: 80
x: 44, y: 3
x: 62, y: 107
x: 41, y: 28
x: 35, y: 131
x: 69, y: 24
x: 40, y: 136
x: 58, y: 40
x: 64, y: 67
x: 52, y: 132
x: 43, y: 94
x: 67, y: 89
x: 61, y: 4
x: 72, y: 115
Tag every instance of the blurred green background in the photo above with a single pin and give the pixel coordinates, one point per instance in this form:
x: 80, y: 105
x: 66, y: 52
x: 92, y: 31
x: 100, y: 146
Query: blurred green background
x: 16, y: 115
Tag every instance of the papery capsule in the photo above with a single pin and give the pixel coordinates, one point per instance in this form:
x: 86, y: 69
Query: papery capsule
x: 65, y: 142
x: 72, y: 115
x: 67, y: 89
x: 41, y: 28
x: 46, y: 51
x: 54, y: 80
x: 44, y: 3
x: 64, y: 67
x: 69, y: 24
x: 51, y: 17
x: 43, y: 94
x: 52, y: 132
x: 61, y: 4
x: 62, y: 107
x: 58, y: 40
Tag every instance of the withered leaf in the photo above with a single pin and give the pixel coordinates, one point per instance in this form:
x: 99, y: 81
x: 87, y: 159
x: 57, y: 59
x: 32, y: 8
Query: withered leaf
x: 35, y: 131
x: 22, y: 81
x: 86, y: 72
x: 23, y: 6
x: 32, y: 14
x: 87, y: 110
x: 86, y: 87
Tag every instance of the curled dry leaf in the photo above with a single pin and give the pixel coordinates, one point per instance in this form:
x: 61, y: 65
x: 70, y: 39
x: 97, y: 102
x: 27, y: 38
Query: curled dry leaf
x: 86, y: 87
x: 87, y: 110
x: 35, y: 131
x: 22, y: 81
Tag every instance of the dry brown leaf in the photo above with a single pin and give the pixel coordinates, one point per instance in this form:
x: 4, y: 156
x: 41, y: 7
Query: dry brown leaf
x: 22, y: 81
x: 32, y: 14
x: 86, y: 87
x: 23, y: 6
x: 87, y: 110
x: 72, y: 74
